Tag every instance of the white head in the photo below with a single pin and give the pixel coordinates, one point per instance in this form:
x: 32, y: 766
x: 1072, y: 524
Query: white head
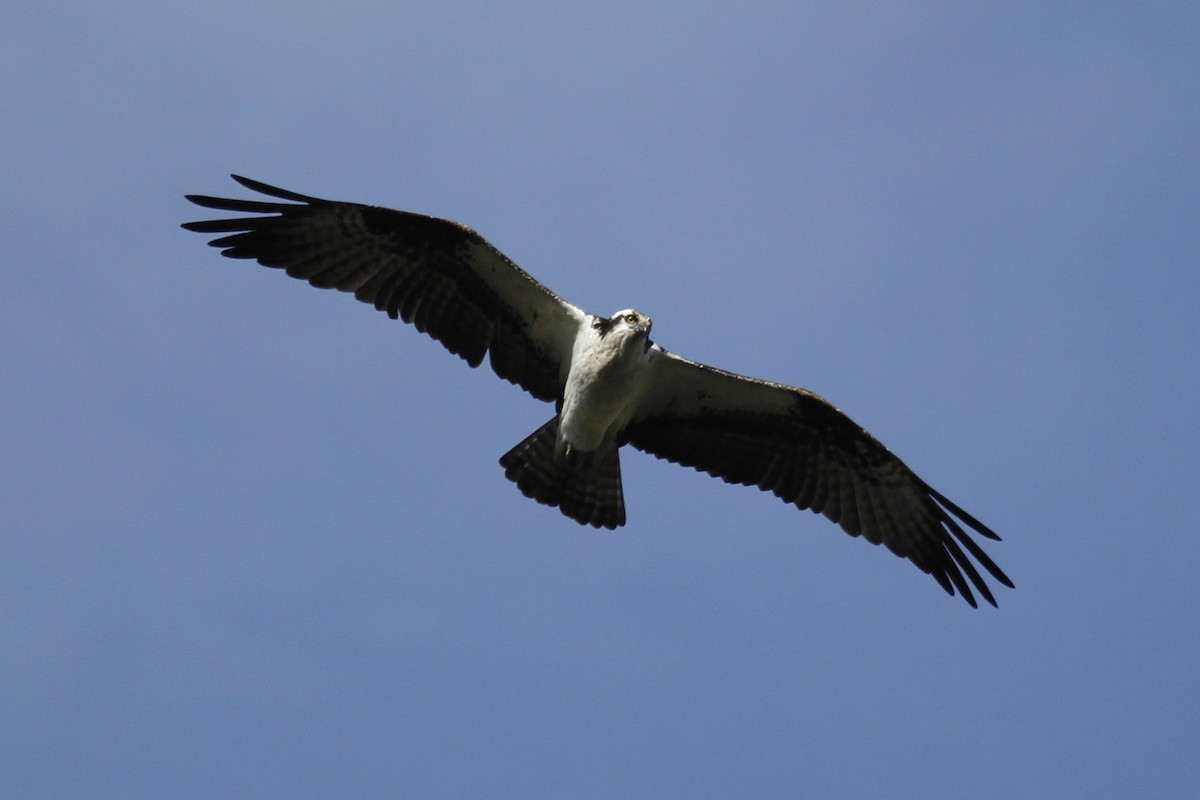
x: 627, y: 321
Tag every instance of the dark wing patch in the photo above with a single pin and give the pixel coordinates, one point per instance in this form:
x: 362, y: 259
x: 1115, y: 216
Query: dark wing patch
x: 792, y: 443
x: 439, y: 275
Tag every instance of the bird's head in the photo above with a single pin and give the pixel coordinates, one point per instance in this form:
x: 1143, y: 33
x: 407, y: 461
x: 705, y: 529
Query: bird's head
x: 629, y: 329
x: 630, y: 322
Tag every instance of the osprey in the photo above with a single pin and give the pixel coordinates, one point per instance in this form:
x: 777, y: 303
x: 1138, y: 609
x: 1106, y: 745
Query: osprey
x: 611, y: 385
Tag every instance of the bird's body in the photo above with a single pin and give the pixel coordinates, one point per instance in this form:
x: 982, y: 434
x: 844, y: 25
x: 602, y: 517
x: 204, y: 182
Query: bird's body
x: 610, y: 367
x: 610, y: 383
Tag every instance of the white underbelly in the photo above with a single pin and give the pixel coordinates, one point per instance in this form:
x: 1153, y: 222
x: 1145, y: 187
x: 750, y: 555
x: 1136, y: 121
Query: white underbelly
x: 594, y: 413
x: 603, y: 388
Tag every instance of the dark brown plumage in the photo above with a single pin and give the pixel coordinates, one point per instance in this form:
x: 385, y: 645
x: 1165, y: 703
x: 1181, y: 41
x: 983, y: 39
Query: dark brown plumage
x: 611, y: 384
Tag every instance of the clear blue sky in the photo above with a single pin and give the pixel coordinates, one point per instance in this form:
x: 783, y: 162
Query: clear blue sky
x: 254, y: 541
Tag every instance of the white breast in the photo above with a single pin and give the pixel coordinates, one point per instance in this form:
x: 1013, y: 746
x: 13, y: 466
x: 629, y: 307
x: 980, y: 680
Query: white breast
x: 607, y: 377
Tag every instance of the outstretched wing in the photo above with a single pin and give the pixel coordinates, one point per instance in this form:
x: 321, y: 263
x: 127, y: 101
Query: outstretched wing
x: 791, y: 442
x: 439, y: 275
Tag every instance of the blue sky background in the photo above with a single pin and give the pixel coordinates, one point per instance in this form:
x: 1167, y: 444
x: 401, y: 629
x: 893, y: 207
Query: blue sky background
x: 255, y: 539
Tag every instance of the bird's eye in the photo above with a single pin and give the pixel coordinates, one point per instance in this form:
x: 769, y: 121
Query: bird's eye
x: 631, y: 318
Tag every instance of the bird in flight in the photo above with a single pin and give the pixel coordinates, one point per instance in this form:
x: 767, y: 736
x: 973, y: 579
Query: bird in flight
x: 611, y: 385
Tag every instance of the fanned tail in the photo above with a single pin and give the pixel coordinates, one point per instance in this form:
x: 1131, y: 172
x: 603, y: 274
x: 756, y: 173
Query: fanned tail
x: 584, y: 486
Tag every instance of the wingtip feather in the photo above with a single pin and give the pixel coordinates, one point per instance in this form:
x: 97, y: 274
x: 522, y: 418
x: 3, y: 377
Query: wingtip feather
x: 274, y: 191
